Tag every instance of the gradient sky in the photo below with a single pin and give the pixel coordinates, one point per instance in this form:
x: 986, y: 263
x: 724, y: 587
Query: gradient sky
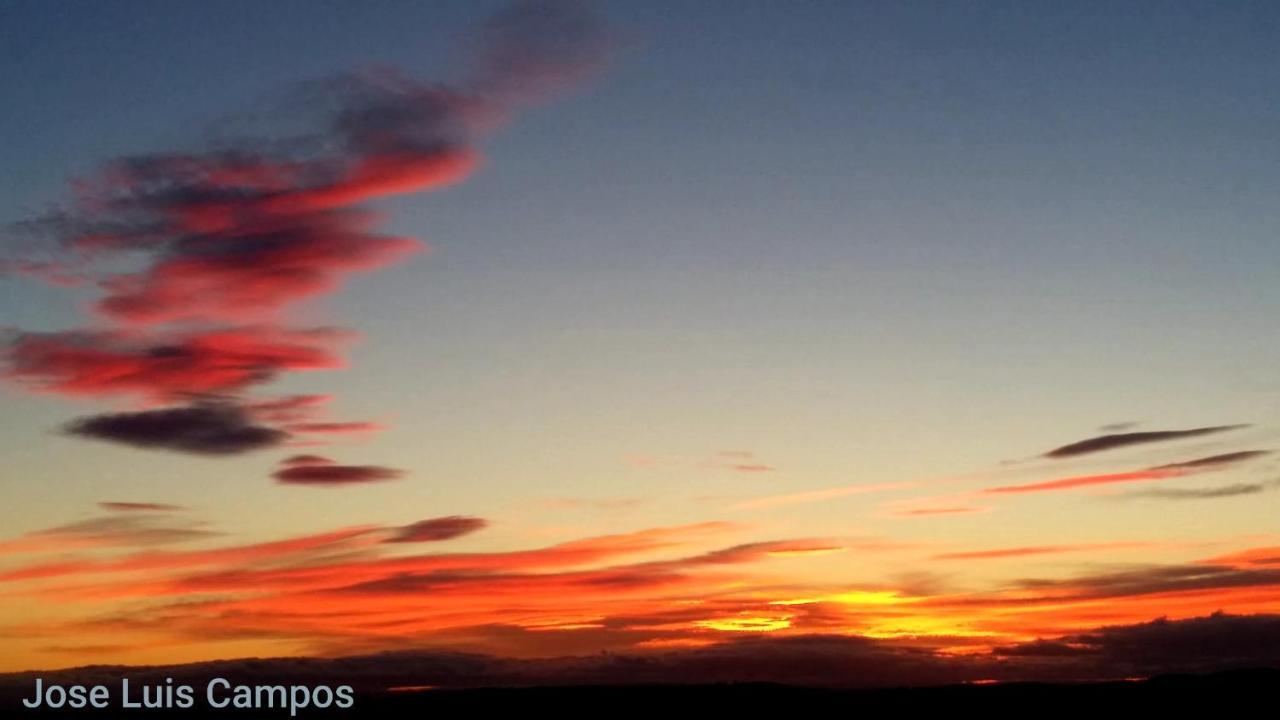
x: 833, y: 276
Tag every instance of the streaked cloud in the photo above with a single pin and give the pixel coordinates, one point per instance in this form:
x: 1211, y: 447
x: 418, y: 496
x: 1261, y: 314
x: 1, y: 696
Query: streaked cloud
x: 1159, y: 472
x: 1205, y: 493
x: 139, y: 506
x: 438, y: 529
x: 1119, y: 440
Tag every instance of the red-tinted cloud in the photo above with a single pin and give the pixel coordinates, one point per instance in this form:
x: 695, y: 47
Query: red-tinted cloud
x: 437, y: 529
x: 306, y: 460
x: 220, y: 244
x: 288, y: 409
x: 949, y: 510
x: 166, y: 366
x: 1015, y: 552
x: 330, y: 475
x: 1160, y: 472
x: 1087, y: 480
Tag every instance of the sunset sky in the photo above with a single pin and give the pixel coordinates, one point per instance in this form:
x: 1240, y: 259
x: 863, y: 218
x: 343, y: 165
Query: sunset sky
x: 546, y: 329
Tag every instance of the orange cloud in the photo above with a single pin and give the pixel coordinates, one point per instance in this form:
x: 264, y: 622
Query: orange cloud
x: 1088, y: 480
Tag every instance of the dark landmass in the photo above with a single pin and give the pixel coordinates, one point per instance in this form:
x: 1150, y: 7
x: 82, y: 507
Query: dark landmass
x: 1221, y: 660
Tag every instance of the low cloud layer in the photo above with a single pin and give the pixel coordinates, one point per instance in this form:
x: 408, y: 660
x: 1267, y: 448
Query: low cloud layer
x: 1195, y: 645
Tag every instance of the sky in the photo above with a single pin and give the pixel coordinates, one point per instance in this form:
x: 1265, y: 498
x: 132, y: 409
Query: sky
x: 545, y: 329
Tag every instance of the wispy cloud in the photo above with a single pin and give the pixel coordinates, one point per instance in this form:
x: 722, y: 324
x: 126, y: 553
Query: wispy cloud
x: 1204, y: 493
x: 1119, y: 440
x: 1018, y: 552
x: 438, y: 529
x: 1159, y: 472
x: 139, y: 506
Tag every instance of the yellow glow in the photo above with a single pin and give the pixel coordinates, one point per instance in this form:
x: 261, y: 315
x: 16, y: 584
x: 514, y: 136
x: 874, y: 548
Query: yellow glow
x: 853, y: 597
x: 746, y: 624
x: 806, y: 552
x: 923, y: 626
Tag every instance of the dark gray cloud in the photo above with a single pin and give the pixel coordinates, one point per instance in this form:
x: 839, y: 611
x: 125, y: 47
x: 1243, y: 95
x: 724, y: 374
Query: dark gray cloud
x: 437, y: 529
x: 213, y: 429
x: 1118, y: 440
x: 1204, y: 493
x: 1214, y: 460
x: 1217, y: 642
x: 1159, y: 579
x: 139, y: 506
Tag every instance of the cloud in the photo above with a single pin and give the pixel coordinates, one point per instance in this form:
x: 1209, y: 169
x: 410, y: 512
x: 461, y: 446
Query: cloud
x: 199, y: 255
x: 333, y: 474
x: 288, y: 409
x: 307, y: 460
x: 210, y: 429
x: 336, y: 428
x: 1215, y: 461
x: 1118, y: 440
x: 742, y: 461
x: 1158, y: 647
x: 948, y: 510
x: 1204, y: 644
x: 1205, y: 493
x: 534, y: 50
x: 53, y: 273
x: 1014, y: 552
x: 1088, y: 480
x: 751, y: 468
x: 1159, y: 472
x: 1159, y: 579
x: 238, y: 233
x: 437, y: 529
x: 139, y: 507
x: 657, y: 587
x: 1253, y: 557
x: 167, y: 366
x: 110, y: 531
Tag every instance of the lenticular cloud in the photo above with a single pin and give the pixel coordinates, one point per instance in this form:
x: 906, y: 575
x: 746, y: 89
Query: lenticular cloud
x: 198, y: 257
